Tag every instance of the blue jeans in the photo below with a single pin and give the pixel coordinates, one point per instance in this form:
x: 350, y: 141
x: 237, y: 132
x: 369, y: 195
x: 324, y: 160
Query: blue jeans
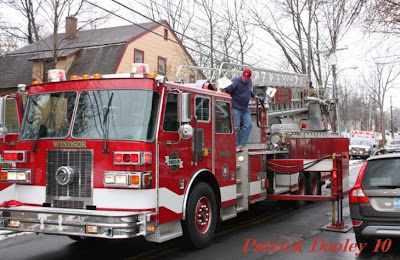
x: 244, y: 117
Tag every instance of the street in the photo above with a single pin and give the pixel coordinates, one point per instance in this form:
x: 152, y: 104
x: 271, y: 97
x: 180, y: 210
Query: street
x: 296, y: 234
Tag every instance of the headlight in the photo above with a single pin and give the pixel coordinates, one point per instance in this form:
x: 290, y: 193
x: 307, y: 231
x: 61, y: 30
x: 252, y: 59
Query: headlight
x: 241, y: 158
x: 127, y: 179
x: 16, y: 175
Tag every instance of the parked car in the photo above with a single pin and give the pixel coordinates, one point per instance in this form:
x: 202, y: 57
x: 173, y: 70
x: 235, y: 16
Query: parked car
x: 361, y: 148
x: 375, y: 199
x: 392, y: 146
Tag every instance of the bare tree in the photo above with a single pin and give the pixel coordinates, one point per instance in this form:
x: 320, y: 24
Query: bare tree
x: 242, y: 29
x: 207, y: 8
x: 29, y: 9
x: 8, y: 42
x: 290, y: 42
x: 380, y: 15
x: 379, y: 80
x: 55, y: 11
x: 225, y: 35
x: 179, y: 14
x: 301, y: 42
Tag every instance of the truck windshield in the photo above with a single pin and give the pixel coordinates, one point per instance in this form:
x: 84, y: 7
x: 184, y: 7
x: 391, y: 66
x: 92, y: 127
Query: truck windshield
x: 51, y: 112
x: 128, y: 115
x: 361, y: 142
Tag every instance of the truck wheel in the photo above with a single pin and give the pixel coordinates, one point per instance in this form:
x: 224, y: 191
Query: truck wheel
x: 201, y: 216
x: 300, y: 191
x: 314, y: 184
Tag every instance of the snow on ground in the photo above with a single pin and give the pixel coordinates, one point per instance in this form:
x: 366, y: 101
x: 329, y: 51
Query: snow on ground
x: 9, y: 234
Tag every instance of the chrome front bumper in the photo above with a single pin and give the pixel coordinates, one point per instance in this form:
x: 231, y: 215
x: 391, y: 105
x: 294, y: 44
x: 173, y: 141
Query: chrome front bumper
x: 76, y: 222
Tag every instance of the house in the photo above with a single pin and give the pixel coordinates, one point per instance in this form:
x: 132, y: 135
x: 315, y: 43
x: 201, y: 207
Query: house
x: 105, y: 51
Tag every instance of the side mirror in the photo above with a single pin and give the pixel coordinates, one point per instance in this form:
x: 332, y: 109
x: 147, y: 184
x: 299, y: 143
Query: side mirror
x: 186, y: 131
x: 184, y: 108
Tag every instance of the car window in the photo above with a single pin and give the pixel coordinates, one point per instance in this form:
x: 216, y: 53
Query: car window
x: 384, y: 172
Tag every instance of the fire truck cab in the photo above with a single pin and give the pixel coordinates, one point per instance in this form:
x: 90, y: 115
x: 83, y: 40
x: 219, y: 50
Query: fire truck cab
x: 119, y: 156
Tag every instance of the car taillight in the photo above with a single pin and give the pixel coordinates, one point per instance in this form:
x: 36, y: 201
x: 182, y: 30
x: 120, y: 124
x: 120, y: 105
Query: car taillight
x: 356, y: 194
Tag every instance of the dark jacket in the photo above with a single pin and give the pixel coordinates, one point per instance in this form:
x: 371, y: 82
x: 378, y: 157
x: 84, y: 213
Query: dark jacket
x: 240, y: 92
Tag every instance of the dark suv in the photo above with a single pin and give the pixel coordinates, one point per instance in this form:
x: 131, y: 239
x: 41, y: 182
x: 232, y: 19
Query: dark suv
x: 375, y: 200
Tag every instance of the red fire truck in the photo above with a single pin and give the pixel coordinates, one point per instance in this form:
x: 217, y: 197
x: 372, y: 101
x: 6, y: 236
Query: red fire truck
x: 126, y: 155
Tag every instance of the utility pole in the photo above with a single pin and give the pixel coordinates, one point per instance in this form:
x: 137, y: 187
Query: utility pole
x: 335, y: 98
x: 391, y: 118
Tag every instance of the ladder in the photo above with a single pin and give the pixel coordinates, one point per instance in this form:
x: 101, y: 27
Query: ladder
x: 290, y: 97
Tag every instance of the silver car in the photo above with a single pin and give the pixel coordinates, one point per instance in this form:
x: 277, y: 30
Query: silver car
x: 375, y: 200
x: 392, y: 146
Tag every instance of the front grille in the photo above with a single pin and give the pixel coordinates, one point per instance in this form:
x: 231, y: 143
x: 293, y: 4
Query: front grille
x: 74, y: 204
x: 81, y: 187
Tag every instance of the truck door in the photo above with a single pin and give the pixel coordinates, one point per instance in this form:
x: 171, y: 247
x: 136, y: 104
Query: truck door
x: 175, y: 161
x: 224, y: 151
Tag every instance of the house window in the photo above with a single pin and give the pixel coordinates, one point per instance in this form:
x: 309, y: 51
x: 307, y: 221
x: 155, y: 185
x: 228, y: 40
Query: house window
x: 162, y: 66
x: 138, y: 56
x: 166, y: 34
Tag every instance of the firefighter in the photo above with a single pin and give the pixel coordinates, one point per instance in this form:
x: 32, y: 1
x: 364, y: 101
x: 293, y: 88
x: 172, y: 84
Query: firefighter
x: 311, y: 91
x: 241, y: 92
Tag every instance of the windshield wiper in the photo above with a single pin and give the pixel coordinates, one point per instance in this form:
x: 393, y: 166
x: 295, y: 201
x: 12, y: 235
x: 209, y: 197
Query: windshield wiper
x: 105, y: 125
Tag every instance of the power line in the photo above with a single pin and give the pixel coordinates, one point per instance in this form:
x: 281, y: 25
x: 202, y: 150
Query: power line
x: 202, y: 44
x: 198, y: 26
x: 179, y: 43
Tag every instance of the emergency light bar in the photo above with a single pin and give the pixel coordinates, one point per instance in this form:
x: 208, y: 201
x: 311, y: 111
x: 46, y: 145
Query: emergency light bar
x: 56, y: 75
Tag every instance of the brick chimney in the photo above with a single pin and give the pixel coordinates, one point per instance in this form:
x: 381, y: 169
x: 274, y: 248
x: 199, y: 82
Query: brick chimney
x: 71, y: 26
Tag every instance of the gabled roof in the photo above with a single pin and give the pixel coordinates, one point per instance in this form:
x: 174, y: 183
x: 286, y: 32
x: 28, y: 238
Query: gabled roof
x: 98, y: 51
x: 89, y: 38
x: 102, y: 60
x: 15, y: 70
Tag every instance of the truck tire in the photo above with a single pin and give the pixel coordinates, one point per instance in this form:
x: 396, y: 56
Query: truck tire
x: 201, y: 216
x: 300, y: 191
x: 313, y: 186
